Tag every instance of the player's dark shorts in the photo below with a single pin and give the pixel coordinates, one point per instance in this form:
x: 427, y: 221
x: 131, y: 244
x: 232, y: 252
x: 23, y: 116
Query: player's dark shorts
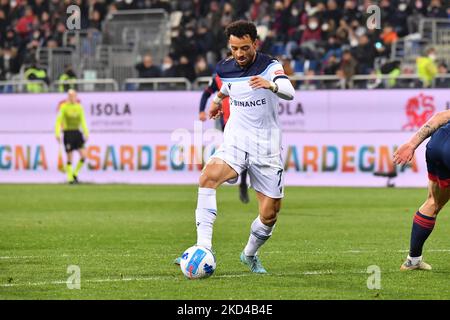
x: 438, y: 157
x: 73, y: 140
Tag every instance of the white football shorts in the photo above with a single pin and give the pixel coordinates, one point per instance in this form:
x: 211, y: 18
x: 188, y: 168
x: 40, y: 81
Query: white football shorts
x: 266, y: 172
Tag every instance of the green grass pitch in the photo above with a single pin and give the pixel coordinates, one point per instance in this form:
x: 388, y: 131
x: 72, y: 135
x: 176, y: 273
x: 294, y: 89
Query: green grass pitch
x: 124, y: 239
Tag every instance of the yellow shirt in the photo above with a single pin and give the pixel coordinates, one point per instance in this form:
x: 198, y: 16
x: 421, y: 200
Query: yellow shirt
x: 71, y: 117
x: 426, y: 69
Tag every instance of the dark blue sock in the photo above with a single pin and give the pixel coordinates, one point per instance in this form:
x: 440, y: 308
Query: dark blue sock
x: 421, y: 229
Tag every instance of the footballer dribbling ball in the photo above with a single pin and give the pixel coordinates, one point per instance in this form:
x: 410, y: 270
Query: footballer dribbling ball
x: 197, y: 262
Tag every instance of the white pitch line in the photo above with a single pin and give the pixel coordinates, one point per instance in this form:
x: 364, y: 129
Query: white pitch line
x: 79, y: 256
x: 305, y: 273
x: 378, y: 251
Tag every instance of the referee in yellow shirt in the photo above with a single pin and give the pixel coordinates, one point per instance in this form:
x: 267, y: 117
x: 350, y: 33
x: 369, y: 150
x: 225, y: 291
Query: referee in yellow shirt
x: 70, y: 119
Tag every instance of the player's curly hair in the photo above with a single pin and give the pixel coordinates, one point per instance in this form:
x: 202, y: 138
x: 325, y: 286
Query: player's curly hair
x: 240, y: 29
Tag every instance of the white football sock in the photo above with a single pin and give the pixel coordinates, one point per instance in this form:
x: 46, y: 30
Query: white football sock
x: 259, y: 234
x: 414, y: 260
x: 205, y: 215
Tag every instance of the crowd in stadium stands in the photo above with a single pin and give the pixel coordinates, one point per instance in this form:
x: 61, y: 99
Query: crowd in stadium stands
x: 311, y: 37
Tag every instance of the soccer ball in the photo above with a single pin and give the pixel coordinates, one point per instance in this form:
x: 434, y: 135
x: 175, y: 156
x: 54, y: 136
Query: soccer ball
x: 197, y: 262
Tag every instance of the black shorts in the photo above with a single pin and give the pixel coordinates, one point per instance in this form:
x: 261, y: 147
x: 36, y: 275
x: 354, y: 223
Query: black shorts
x: 73, y: 140
x: 438, y: 158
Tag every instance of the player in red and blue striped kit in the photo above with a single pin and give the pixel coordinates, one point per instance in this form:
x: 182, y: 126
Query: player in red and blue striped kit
x: 214, y: 86
x: 438, y: 166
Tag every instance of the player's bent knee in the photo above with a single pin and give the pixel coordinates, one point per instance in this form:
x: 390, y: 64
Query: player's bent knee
x: 207, y: 181
x: 269, y: 218
x: 438, y: 207
x: 268, y: 221
x: 433, y: 206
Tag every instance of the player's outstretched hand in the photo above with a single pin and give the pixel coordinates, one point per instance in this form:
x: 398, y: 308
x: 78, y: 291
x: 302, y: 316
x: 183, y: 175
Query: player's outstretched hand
x: 215, y: 111
x: 257, y: 82
x: 404, y: 154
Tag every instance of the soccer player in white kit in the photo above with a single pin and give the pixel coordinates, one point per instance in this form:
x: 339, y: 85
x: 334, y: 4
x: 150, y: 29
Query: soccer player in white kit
x: 252, y: 138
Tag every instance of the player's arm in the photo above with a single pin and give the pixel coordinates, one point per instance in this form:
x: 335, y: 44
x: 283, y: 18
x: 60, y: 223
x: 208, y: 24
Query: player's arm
x: 204, y: 99
x: 58, y: 123
x: 212, y: 87
x: 83, y: 123
x: 215, y: 111
x: 405, y: 152
x: 279, y: 83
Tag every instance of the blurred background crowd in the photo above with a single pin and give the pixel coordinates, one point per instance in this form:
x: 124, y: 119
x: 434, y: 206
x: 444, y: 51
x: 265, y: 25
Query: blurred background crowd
x: 312, y: 37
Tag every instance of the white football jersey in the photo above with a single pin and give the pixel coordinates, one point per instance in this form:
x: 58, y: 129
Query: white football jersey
x: 253, y: 125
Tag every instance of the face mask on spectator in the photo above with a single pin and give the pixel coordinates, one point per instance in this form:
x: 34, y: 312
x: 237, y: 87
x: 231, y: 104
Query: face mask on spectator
x: 313, y: 25
x: 294, y: 12
x: 360, y: 31
x: 432, y: 56
x: 402, y: 6
x: 166, y: 66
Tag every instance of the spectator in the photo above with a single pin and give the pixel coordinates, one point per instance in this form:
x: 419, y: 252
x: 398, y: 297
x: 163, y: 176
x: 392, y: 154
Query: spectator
x: 364, y: 53
x: 440, y: 81
x: 205, y: 39
x: 355, y: 31
x: 2, y: 67
x: 3, y: 23
x: 347, y: 68
x: 332, y: 12
x: 258, y: 10
x: 202, y: 69
x: 435, y: 10
x: 67, y: 75
x: 185, y: 69
x: 392, y: 70
x: 401, y: 18
x: 95, y: 20
x: 333, y: 47
x: 351, y: 11
x: 331, y: 65
x: 342, y: 33
x: 52, y: 43
x: 389, y: 36
x: 387, y: 12
x: 146, y: 69
x: 35, y: 72
x: 417, y: 11
x: 11, y: 57
x: 39, y: 7
x: 5, y: 7
x: 59, y: 35
x: 312, y: 32
x: 426, y: 67
x: 45, y: 25
x: 278, y: 18
x: 168, y: 69
x: 186, y: 44
x: 227, y: 15
x: 96, y: 6
x: 25, y: 23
